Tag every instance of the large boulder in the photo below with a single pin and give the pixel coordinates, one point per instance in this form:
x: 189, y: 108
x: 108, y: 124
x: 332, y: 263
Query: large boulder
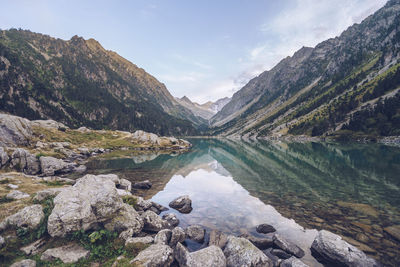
x: 183, y: 204
x: 241, y: 252
x: 171, y: 219
x: 217, y: 238
x: 4, y: 158
x: 24, y: 161
x: 51, y: 166
x: 126, y: 218
x: 288, y: 246
x: 157, y: 255
x: 14, y: 131
x: 211, y: 256
x: 146, y: 184
x: 329, y: 248
x: 163, y: 237
x: 91, y: 201
x: 178, y: 236
x: 196, y: 233
x: 67, y: 254
x: 48, y: 124
x: 153, y: 222
x: 29, y: 217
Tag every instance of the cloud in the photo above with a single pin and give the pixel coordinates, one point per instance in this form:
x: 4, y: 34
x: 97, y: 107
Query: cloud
x: 182, y: 77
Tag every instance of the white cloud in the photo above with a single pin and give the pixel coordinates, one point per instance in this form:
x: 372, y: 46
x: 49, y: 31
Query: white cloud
x: 182, y: 77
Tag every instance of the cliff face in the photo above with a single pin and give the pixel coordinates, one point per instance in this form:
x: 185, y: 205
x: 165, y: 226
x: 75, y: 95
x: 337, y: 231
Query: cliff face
x: 324, y: 89
x: 79, y: 83
x: 204, y: 111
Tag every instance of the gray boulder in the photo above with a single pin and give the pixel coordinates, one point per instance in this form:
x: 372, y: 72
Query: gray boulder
x: 29, y: 217
x: 281, y: 254
x: 178, y: 236
x: 195, y: 233
x: 33, y: 248
x: 51, y: 192
x: 241, y: 252
x: 142, y: 205
x: 4, y: 158
x: 127, y: 218
x: 51, y: 166
x: 90, y: 201
x: 265, y: 228
x: 157, y: 255
x: 14, y: 131
x: 163, y: 237
x: 138, y: 240
x: 217, y: 238
x: 24, y: 263
x: 142, y: 185
x: 293, y: 262
x: 67, y: 254
x: 183, y: 204
x: 153, y: 222
x: 16, y: 194
x: 288, y: 246
x: 329, y: 248
x: 171, y: 219
x: 260, y: 242
x: 25, y: 162
x: 207, y: 257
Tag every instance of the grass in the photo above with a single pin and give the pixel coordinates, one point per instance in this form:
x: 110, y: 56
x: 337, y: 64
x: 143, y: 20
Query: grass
x: 130, y: 200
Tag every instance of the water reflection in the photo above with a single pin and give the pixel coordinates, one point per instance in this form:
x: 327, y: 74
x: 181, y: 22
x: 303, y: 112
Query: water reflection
x: 352, y: 190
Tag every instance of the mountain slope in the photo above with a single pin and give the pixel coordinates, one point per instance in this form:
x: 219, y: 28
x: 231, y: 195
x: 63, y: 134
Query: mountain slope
x: 206, y: 110
x: 78, y: 82
x: 318, y: 90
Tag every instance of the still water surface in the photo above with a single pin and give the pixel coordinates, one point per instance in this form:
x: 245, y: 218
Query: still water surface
x: 350, y: 189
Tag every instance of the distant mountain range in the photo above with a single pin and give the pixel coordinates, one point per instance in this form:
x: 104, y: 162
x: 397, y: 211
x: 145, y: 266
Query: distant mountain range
x: 345, y: 85
x: 79, y: 83
x: 206, y: 110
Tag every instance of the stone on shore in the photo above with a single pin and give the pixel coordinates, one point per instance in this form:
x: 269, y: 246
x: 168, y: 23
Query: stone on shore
x: 67, y: 254
x: 127, y: 218
x: 33, y: 248
x: 217, y: 238
x: 293, y: 262
x: 163, y: 237
x: 171, y: 219
x: 142, y: 185
x: 51, y: 192
x: 195, y: 233
x: 241, y: 252
x: 288, y: 246
x: 139, y: 240
x: 183, y: 204
x: 260, y: 242
x: 265, y: 228
x: 153, y: 222
x: 24, y: 263
x: 155, y: 255
x: 29, y: 217
x: 281, y: 253
x: 329, y: 248
x: 178, y: 236
x: 211, y: 256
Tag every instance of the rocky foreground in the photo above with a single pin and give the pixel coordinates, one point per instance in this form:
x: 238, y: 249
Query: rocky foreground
x: 98, y: 220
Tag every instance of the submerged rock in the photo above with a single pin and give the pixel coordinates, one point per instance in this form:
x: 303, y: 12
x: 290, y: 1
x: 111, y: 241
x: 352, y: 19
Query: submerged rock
x: 24, y: 263
x: 155, y: 255
x: 329, y: 248
x: 241, y: 252
x: 142, y: 185
x: 183, y: 204
x: 196, y: 233
x: 67, y: 254
x: 288, y: 246
x: 207, y: 257
x: 29, y: 217
x: 265, y: 228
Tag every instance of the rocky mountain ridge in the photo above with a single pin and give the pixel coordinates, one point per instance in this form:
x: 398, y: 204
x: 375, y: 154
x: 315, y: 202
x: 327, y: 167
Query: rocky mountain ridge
x: 206, y: 110
x: 327, y: 89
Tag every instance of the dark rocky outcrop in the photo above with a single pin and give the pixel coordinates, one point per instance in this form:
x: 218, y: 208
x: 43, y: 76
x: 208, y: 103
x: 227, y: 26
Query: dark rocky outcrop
x: 183, y: 204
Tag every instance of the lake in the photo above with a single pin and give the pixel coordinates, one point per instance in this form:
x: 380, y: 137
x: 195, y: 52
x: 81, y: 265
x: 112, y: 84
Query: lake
x: 350, y: 189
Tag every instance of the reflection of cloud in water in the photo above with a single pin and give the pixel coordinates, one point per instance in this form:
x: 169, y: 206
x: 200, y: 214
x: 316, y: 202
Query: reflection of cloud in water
x: 221, y: 203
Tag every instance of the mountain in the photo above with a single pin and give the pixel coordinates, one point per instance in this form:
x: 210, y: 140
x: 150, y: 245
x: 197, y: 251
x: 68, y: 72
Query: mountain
x: 79, y: 83
x: 206, y: 110
x: 345, y: 85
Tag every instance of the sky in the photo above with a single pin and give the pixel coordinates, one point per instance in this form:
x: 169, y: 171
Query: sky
x: 205, y: 49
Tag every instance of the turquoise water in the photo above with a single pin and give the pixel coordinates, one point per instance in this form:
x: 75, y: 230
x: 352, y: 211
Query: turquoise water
x: 350, y: 189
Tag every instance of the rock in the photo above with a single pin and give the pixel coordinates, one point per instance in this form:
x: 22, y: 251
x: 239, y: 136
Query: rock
x: 84, y: 151
x: 195, y: 233
x: 241, y: 252
x: 58, y: 179
x: 288, y: 246
x: 142, y: 204
x: 16, y: 194
x: 156, y: 255
x: 90, y: 201
x: 217, y: 238
x: 83, y: 129
x: 4, y: 158
x: 153, y: 222
x: 33, y: 248
x: 12, y: 186
x: 51, y: 192
x: 123, y: 193
x: 329, y: 248
x: 178, y: 236
x: 265, y: 228
x: 67, y: 254
x: 183, y: 204
x: 163, y: 237
x: 2, y: 242
x: 171, y: 219
x: 80, y: 169
x: 281, y: 254
x: 160, y: 208
x: 14, y: 131
x: 293, y: 262
x: 394, y: 231
x: 126, y: 218
x: 142, y: 185
x: 24, y: 263
x: 48, y: 124
x: 29, y: 217
x: 51, y: 166
x: 207, y: 257
x: 260, y: 242
x: 24, y: 161
x: 123, y: 184
x: 137, y: 240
